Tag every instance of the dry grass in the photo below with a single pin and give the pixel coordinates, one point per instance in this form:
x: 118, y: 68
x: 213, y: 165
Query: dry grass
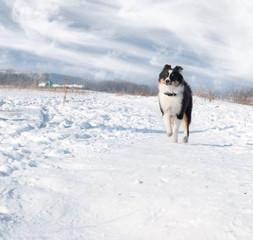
x: 144, y: 94
x: 209, y: 95
x: 48, y: 89
x: 239, y: 96
x: 18, y: 87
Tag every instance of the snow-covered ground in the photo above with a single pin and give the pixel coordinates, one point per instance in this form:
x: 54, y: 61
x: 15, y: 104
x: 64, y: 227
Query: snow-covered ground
x: 102, y: 167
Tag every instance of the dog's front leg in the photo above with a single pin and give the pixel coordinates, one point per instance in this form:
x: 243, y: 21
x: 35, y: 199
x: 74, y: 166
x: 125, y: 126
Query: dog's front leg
x: 167, y: 121
x: 177, y: 123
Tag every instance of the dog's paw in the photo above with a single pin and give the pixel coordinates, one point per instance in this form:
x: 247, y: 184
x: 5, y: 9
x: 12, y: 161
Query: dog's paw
x: 169, y: 134
x: 174, y: 139
x: 185, y: 139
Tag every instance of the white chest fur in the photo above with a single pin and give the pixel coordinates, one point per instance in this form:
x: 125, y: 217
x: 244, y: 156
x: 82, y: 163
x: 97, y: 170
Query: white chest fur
x: 171, y: 104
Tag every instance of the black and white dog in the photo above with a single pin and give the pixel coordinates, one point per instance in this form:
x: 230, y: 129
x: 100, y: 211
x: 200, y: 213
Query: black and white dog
x: 175, y: 99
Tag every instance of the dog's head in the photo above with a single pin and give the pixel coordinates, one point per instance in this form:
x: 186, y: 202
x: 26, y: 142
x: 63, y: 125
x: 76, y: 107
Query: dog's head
x: 171, y: 76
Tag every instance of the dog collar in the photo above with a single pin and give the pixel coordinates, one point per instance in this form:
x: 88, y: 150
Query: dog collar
x: 170, y: 94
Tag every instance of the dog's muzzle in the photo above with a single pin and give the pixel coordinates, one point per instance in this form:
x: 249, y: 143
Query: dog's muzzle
x: 168, y: 82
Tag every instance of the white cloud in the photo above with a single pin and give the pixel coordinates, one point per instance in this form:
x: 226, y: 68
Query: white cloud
x: 133, y: 39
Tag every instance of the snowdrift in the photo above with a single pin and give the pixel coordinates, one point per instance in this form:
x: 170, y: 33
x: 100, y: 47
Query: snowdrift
x: 101, y: 167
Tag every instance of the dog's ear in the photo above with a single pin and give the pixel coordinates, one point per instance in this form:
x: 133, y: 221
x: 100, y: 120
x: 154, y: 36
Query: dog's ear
x: 167, y: 67
x: 178, y: 68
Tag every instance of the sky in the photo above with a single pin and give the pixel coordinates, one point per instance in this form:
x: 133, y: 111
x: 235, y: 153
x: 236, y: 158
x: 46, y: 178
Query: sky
x: 131, y: 40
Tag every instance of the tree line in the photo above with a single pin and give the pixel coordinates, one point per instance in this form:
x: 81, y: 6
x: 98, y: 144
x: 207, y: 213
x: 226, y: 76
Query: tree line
x: 122, y: 87
x: 31, y: 80
x: 22, y: 79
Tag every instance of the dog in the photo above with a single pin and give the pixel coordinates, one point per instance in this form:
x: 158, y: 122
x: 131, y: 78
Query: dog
x: 175, y: 100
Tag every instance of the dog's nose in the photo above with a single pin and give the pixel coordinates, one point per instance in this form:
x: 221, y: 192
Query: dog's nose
x: 167, y: 81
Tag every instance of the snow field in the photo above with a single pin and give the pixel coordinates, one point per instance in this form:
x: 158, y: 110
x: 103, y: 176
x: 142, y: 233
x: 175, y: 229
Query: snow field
x: 102, y: 167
